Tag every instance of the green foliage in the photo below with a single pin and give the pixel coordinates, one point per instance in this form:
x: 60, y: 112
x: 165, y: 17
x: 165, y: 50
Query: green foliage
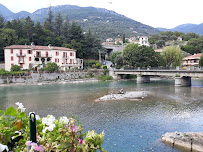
x: 188, y: 48
x: 140, y: 56
x: 51, y: 67
x: 194, y: 45
x: 118, y: 60
x: 201, y: 61
x: 172, y: 56
x: 98, y: 65
x: 15, y: 68
x: 104, y: 67
x: 114, y: 55
x: 105, y: 77
x: 52, y: 134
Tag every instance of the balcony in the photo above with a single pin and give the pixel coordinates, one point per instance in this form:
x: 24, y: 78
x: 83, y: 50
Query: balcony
x: 21, y: 61
x: 65, y: 57
x: 20, y: 54
x: 43, y: 55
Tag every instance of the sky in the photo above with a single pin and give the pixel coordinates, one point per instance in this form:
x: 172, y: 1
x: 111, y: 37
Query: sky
x: 155, y: 13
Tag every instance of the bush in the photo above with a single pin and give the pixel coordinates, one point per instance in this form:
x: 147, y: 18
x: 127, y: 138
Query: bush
x: 51, y: 67
x: 15, y: 68
x: 98, y: 65
x: 104, y: 67
x: 105, y: 77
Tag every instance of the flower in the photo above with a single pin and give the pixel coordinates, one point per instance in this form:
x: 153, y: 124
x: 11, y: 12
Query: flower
x: 75, y: 128
x: 37, y: 117
x: 38, y: 148
x: 64, y: 120
x: 3, y: 147
x: 80, y: 140
x: 48, y: 120
x: 20, y: 106
x: 50, y: 128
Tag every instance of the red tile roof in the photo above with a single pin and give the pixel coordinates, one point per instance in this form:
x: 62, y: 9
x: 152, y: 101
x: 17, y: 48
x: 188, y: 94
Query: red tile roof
x: 35, y: 47
x: 195, y: 56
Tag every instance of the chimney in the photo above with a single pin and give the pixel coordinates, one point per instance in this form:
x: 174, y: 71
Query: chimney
x: 32, y: 45
x: 50, y: 46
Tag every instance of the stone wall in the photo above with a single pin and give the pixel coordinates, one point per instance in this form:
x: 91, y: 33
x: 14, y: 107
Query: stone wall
x: 41, y: 77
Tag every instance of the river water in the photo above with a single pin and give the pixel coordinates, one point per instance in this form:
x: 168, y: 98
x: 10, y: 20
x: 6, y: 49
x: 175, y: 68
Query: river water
x: 130, y: 126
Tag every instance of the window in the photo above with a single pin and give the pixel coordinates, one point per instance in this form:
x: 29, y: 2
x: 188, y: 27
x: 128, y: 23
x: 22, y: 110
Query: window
x: 30, y: 58
x: 11, y: 58
x: 11, y: 51
x: 70, y: 60
x: 21, y: 65
x: 29, y: 51
x: 71, y: 54
x: 57, y: 53
x: 11, y: 64
x: 57, y: 60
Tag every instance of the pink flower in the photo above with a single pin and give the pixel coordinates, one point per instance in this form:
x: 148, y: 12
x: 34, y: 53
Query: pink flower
x: 80, y: 140
x: 38, y: 148
x: 75, y: 128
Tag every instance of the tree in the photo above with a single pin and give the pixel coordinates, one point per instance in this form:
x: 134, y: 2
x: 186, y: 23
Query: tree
x: 140, y: 56
x: 51, y: 67
x: 29, y: 28
x: 172, y: 56
x: 2, y: 21
x: 15, y: 68
x: 197, y: 43
x: 113, y: 56
x: 49, y: 20
x: 58, y: 24
x: 65, y: 31
x: 119, y: 61
x: 201, y: 61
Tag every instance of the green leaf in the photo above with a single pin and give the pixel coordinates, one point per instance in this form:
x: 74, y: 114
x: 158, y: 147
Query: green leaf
x: 22, y: 114
x: 11, y: 111
x: 2, y: 112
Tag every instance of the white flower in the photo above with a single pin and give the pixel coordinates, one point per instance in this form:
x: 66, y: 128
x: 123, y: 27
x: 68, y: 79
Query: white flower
x: 50, y: 128
x: 64, y: 120
x: 37, y: 117
x: 48, y: 120
x: 20, y: 106
x: 3, y: 147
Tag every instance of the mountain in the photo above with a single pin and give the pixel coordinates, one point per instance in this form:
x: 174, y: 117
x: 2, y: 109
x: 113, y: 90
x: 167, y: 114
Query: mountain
x: 5, y: 12
x: 186, y: 28
x: 104, y: 22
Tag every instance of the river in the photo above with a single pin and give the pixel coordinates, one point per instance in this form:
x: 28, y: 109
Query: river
x: 131, y: 126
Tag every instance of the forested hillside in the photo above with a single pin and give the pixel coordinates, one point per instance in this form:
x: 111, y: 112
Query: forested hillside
x: 105, y: 23
x: 54, y: 30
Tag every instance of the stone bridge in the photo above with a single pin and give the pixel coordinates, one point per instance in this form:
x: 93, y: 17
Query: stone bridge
x: 182, y: 77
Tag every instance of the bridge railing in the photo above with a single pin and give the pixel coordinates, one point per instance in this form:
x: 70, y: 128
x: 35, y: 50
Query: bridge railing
x: 163, y: 68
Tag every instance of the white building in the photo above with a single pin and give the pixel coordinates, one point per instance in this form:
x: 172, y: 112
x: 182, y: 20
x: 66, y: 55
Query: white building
x: 31, y: 56
x: 143, y: 40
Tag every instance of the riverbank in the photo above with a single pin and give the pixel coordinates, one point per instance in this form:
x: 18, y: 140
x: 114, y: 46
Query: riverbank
x: 191, y: 141
x: 51, y: 82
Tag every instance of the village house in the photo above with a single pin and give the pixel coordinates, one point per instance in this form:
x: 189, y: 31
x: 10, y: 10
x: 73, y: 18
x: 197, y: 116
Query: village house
x: 33, y: 56
x: 192, y: 60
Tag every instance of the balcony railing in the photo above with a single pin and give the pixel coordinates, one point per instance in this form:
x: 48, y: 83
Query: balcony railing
x: 65, y: 57
x: 43, y: 55
x: 20, y: 54
x: 20, y: 61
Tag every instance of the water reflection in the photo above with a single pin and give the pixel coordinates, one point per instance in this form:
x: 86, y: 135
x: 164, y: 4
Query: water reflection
x: 129, y: 125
